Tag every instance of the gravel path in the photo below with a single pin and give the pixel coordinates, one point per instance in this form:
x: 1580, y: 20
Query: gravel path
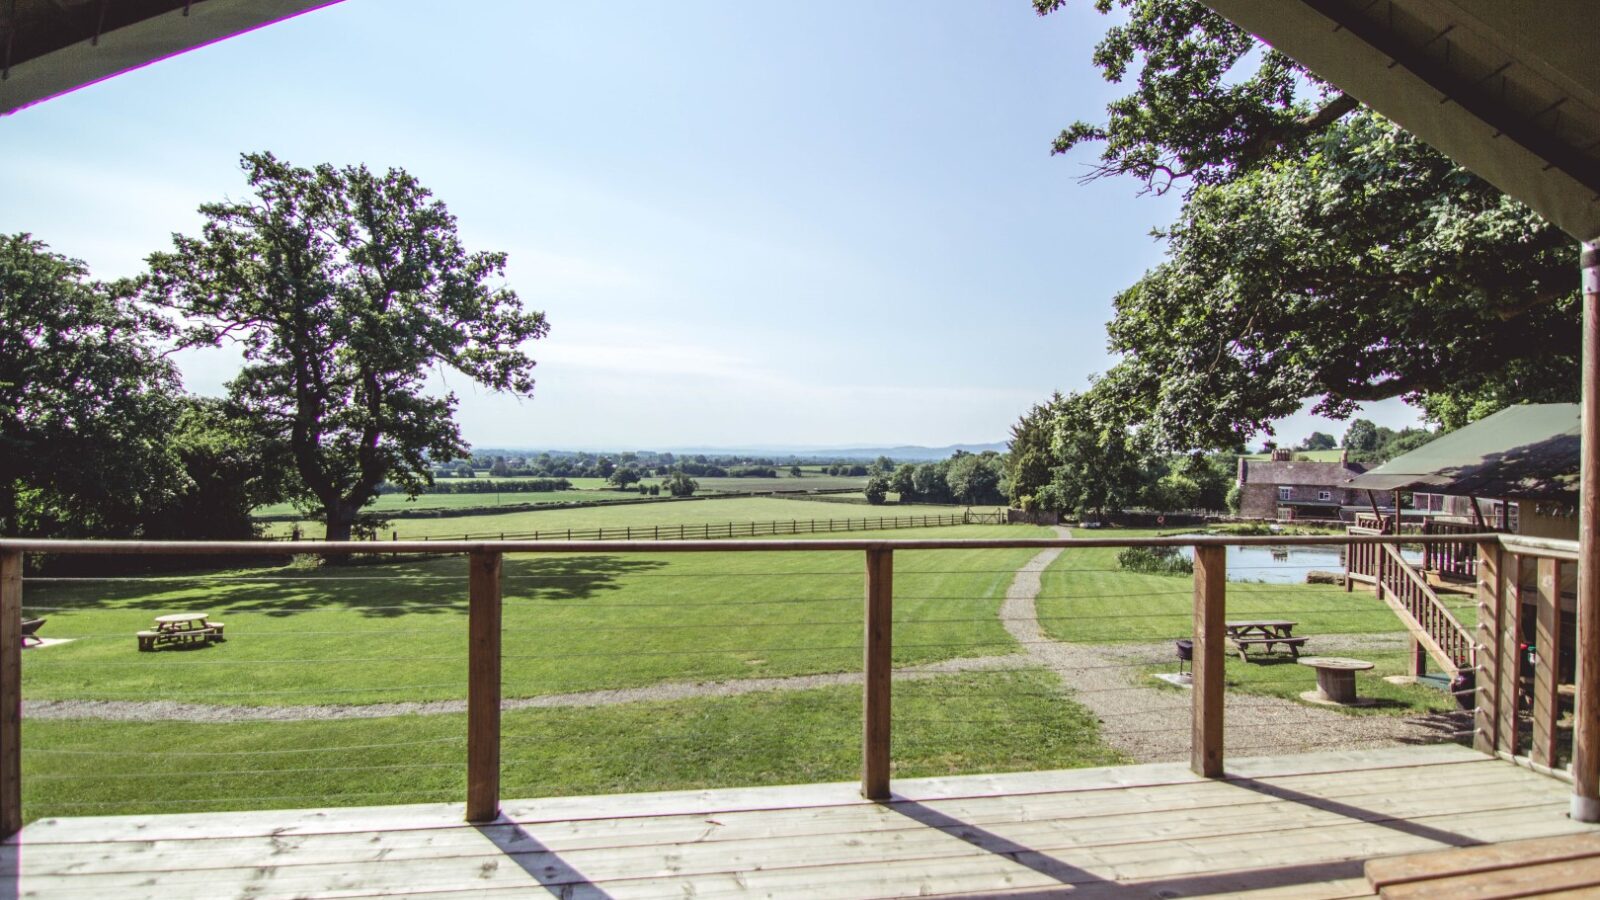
x: 173, y: 711
x: 1151, y: 724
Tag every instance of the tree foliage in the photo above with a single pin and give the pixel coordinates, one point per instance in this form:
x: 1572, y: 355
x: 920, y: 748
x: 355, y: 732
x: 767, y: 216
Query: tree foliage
x: 345, y: 290
x: 87, y: 401
x: 680, y: 484
x: 1322, y: 252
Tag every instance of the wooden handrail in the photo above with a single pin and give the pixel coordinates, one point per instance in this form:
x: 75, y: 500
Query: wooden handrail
x: 1433, y: 613
x: 345, y: 548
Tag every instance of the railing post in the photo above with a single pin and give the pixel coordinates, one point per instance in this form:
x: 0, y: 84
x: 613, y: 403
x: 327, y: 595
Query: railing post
x: 1547, y: 665
x: 483, y: 687
x: 1511, y: 655
x: 1585, y: 804
x: 879, y: 674
x: 10, y: 693
x: 1210, y: 609
x: 1491, y: 666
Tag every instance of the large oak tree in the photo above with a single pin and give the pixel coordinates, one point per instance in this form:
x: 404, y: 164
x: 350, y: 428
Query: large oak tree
x: 345, y: 289
x: 1322, y: 252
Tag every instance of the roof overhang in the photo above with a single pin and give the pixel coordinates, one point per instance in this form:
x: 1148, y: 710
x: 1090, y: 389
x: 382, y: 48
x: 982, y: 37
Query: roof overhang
x: 1527, y: 452
x: 1508, y: 88
x: 50, y: 47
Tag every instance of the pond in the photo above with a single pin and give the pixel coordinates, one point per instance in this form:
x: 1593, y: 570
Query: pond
x: 1288, y: 564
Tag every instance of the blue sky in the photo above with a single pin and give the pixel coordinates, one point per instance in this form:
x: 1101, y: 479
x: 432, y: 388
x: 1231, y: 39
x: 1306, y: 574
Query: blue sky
x: 814, y: 224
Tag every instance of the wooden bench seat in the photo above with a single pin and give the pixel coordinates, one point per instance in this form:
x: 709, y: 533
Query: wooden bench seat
x: 1514, y: 869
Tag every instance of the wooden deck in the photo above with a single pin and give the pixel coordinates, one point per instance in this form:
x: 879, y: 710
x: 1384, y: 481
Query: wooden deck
x: 1297, y: 826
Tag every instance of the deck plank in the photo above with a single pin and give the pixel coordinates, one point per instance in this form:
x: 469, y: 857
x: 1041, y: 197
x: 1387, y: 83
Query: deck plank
x: 1216, y: 805
x: 1284, y: 827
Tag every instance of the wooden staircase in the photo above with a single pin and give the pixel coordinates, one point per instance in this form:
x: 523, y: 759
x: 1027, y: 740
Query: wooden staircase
x: 1399, y: 584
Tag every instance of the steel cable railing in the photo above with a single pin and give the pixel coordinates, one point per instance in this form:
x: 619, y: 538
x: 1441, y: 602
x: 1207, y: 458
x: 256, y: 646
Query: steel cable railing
x: 559, y: 631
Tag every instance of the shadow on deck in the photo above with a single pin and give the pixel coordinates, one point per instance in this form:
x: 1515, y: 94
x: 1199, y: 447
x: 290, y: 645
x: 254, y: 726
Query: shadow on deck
x: 1296, y: 826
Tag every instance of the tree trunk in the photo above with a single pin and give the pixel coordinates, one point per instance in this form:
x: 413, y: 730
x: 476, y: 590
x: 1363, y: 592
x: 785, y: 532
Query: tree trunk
x: 340, y: 522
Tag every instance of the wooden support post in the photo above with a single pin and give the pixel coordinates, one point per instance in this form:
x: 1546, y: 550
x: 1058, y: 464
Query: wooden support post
x: 1418, y: 662
x: 10, y: 693
x: 1511, y: 655
x: 1210, y: 609
x: 879, y: 651
x: 1586, y: 707
x: 483, y: 687
x: 1491, y: 673
x: 1546, y: 671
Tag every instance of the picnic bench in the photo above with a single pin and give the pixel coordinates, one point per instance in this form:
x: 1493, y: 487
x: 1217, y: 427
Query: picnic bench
x: 1263, y: 633
x: 181, y: 630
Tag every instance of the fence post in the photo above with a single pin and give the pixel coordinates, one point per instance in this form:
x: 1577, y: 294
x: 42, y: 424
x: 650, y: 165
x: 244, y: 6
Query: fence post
x: 1511, y: 655
x: 1210, y: 609
x: 1491, y: 671
x: 10, y: 693
x: 879, y: 652
x: 483, y: 687
x: 1546, y: 677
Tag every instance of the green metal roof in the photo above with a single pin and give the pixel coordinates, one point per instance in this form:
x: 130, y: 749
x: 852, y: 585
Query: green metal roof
x: 1525, y: 452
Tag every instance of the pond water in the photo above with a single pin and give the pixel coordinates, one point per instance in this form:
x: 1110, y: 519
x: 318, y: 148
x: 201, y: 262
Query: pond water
x: 1288, y: 564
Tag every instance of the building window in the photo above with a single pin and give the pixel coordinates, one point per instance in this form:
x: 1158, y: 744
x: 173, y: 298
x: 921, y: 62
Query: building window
x: 1324, y: 495
x: 1286, y: 493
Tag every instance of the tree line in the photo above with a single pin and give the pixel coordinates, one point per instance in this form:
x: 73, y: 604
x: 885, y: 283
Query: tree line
x: 344, y: 289
x: 1322, y: 253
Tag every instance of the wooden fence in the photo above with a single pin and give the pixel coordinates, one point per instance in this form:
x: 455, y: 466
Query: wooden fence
x: 716, y: 531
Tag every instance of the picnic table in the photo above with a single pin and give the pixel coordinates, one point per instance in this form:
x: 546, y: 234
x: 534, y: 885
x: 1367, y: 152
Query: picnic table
x: 1263, y: 633
x: 181, y: 629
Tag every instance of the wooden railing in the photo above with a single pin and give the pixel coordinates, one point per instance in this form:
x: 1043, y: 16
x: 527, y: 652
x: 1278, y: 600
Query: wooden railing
x: 1499, y: 691
x: 1527, y: 648
x: 1454, y: 560
x: 1361, y: 559
x: 1432, y: 625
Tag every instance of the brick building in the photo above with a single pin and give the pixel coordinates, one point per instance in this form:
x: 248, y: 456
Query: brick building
x: 1286, y: 488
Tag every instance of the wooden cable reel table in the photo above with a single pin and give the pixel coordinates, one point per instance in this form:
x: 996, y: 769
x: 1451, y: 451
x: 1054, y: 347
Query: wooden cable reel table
x: 1336, y: 678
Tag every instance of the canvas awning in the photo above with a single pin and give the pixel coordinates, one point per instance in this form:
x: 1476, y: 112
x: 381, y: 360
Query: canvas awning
x: 50, y: 47
x: 1509, y: 89
x: 1520, y: 453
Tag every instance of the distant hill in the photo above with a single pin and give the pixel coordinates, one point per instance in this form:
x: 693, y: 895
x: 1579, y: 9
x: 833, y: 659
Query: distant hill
x: 903, y: 453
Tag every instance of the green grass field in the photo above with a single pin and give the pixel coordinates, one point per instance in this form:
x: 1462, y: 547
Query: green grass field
x: 638, y: 515
x: 397, y: 631
x: 951, y: 725
x: 1308, y: 455
x: 1087, y: 597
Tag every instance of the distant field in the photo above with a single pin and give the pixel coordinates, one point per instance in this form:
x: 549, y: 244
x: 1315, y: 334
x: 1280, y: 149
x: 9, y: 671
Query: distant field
x: 639, y: 515
x: 1311, y: 455
x: 585, y: 490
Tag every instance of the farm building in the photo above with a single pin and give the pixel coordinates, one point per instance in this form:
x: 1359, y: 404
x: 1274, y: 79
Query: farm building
x: 1286, y: 488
